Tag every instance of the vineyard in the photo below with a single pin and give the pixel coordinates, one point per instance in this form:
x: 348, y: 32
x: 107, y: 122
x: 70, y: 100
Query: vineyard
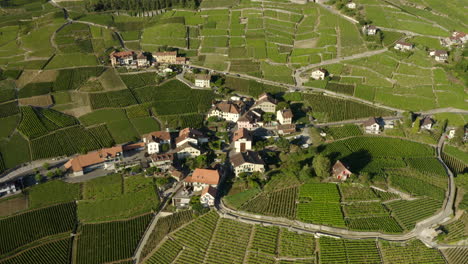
x: 329, y: 109
x: 106, y: 242
x: 102, y: 135
x: 33, y: 225
x: 8, y: 109
x: 133, y: 81
x: 72, y: 79
x: 114, y: 99
x: 356, y: 193
x: 410, y: 252
x: 415, y: 185
x: 343, y: 131
x: 456, y: 159
x: 456, y: 255
x: 164, y: 226
x: 57, y: 252
x: 211, y: 239
x: 404, y: 211
x: 64, y: 142
x: 280, y: 203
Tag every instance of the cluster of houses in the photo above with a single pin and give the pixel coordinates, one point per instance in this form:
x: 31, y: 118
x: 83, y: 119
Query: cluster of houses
x: 375, y: 125
x: 134, y: 60
x: 457, y: 39
x: 250, y: 115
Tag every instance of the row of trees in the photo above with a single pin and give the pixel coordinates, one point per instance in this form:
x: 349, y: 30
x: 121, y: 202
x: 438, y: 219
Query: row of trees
x: 138, y: 5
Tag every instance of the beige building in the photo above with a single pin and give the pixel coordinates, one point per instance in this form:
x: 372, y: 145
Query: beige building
x: 229, y: 111
x: 284, y: 117
x: 370, y: 30
x: 372, y: 126
x: 188, y: 150
x: 403, y: 46
x: 439, y: 55
x: 202, y: 80
x: 266, y: 103
x: 169, y: 57
x: 103, y: 158
x: 248, y: 161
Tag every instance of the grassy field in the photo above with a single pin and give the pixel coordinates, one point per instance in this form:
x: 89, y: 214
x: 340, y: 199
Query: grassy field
x: 53, y: 192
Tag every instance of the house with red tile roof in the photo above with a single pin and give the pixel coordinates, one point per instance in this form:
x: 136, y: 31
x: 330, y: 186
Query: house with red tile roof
x: 340, y: 171
x: 103, y: 158
x: 208, y: 196
x: 227, y: 110
x: 202, y: 178
x: 154, y: 140
x: 242, y: 139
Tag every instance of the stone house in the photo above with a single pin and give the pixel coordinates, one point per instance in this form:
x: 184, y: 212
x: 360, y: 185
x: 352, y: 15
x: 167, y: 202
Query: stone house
x: 284, y: 117
x: 266, y: 103
x: 439, y: 55
x: 426, y: 123
x: 202, y: 80
x: 227, y: 110
x: 251, y: 120
x: 340, y: 171
x: 372, y: 126
x: 242, y: 139
x: 403, y: 46
x: 370, y: 30
x: 248, y: 161
x: 319, y: 74
x: 154, y: 140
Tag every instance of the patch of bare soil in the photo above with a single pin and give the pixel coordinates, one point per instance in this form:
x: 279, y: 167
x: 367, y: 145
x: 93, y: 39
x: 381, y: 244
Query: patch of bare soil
x: 40, y: 100
x: 13, y: 205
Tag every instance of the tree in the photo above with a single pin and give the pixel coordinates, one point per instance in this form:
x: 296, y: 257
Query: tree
x: 305, y: 173
x: 38, y: 177
x: 161, y: 181
x: 283, y: 144
x: 416, y: 125
x: 282, y: 105
x: 407, y: 119
x: 321, y: 165
x: 314, y: 134
x: 50, y: 174
x: 165, y: 147
x: 45, y: 166
x: 196, y: 204
x: 136, y: 169
x: 268, y: 117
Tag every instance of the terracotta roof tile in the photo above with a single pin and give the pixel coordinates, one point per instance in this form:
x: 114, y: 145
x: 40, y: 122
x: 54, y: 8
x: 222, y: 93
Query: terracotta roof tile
x: 204, y: 176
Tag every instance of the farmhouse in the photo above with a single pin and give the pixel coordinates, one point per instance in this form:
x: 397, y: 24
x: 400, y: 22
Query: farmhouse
x: 266, y: 103
x: 439, y: 55
x: 104, y: 158
x: 370, y: 30
x: 129, y: 59
x: 319, y: 74
x: 426, y: 123
x: 154, y: 140
x: 202, y: 178
x: 351, y: 5
x: 284, y: 116
x: 242, y: 139
x: 202, y: 80
x: 188, y: 149
x: 162, y: 161
x: 208, y: 196
x: 457, y: 38
x: 168, y: 57
x: 251, y: 120
x: 372, y: 126
x: 248, y: 161
x: 340, y: 171
x: 8, y: 188
x: 403, y: 46
x: 227, y: 110
x: 190, y: 135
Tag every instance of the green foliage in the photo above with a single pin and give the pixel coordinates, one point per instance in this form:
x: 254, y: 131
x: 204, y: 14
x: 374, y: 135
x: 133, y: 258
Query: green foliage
x: 321, y: 165
x: 34, y: 89
x: 406, y: 215
x: 111, y: 99
x: 102, y: 135
x: 8, y: 109
x: 34, y: 225
x: 72, y: 79
x: 53, y: 192
x: 277, y: 203
x: 237, y: 200
x: 413, y: 251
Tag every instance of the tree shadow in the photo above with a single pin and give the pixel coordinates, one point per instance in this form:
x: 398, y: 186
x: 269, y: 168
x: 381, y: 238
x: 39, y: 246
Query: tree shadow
x: 357, y: 160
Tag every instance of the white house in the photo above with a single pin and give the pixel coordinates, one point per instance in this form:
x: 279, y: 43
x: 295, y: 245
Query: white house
x: 208, y: 196
x: 188, y: 149
x: 129, y: 59
x: 427, y: 123
x: 229, y: 111
x: 7, y: 189
x: 370, y: 30
x: 284, y: 117
x: 202, y: 178
x: 181, y: 199
x: 248, y: 161
x: 439, y: 55
x: 266, y: 103
x: 190, y: 135
x: 154, y: 140
x: 202, y: 80
x: 457, y: 38
x: 351, y: 5
x: 451, y: 134
x: 403, y: 46
x: 319, y: 74
x: 242, y: 139
x: 372, y: 126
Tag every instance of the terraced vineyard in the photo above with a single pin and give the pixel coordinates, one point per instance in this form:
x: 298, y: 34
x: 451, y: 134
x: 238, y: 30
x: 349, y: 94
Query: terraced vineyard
x: 413, y: 251
x: 51, y: 252
x: 406, y: 215
x: 48, y: 221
